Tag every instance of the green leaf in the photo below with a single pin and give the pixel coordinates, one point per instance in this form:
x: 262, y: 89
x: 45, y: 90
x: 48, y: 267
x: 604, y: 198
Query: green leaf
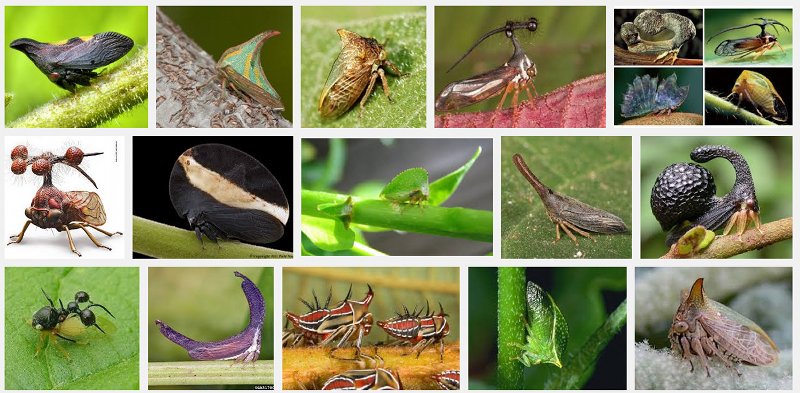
x: 444, y: 187
x: 404, y: 37
x: 694, y: 240
x: 548, y: 332
x: 594, y: 170
x: 327, y: 234
x: 107, y: 362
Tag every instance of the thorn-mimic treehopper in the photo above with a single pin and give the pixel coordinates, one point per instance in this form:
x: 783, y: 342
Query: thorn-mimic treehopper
x: 70, y: 63
x: 241, y: 67
x: 225, y: 193
x: 56, y: 209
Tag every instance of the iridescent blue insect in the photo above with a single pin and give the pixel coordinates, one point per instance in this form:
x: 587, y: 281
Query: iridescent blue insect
x: 646, y: 96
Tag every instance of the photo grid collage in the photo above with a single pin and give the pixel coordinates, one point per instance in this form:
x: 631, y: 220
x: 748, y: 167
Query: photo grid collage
x: 294, y: 171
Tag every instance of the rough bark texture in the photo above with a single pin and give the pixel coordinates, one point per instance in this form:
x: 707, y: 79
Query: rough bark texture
x: 188, y: 91
x: 581, y: 103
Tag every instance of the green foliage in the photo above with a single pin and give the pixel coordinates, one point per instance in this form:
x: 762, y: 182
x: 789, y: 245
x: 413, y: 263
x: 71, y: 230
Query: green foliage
x: 717, y: 20
x: 547, y: 329
x: 562, y: 51
x: 109, y: 362
x: 55, y: 23
x: 596, y: 171
x: 445, y: 186
x: 770, y: 160
x: 402, y: 33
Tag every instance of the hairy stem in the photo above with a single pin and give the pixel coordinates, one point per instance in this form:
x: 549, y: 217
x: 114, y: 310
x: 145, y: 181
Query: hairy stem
x: 510, y: 326
x: 752, y: 239
x: 727, y: 108
x: 210, y: 373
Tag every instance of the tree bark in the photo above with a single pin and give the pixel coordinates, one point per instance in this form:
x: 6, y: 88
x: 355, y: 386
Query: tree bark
x: 189, y: 92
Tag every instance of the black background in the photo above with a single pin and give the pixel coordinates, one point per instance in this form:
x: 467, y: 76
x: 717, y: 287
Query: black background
x: 154, y: 156
x: 720, y: 81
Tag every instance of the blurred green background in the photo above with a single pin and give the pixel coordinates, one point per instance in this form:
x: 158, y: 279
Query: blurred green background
x: 585, y: 296
x: 30, y: 87
x: 400, y: 30
x: 717, y: 20
x: 624, y: 76
x: 770, y: 160
x: 569, y: 44
x: 394, y: 287
x: 205, y: 304
x: 215, y: 29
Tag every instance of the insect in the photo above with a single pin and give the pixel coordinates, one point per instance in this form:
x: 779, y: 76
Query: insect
x: 758, y: 45
x: 703, y: 328
x: 360, y: 62
x: 374, y: 378
x: 68, y: 323
x: 409, y: 186
x: 226, y: 193
x: 241, y: 67
x: 646, y: 95
x: 70, y: 63
x: 546, y: 329
x: 244, y: 347
x: 418, y: 329
x: 516, y: 74
x: 350, y: 320
x: 646, y: 33
x: 53, y: 208
x: 760, y: 92
x: 684, y: 195
x: 569, y: 213
x: 448, y: 379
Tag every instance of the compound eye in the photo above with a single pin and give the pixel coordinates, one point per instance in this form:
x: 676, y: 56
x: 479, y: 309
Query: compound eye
x: 680, y: 326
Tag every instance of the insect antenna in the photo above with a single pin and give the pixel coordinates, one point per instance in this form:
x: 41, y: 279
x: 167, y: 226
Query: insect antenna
x: 531, y: 25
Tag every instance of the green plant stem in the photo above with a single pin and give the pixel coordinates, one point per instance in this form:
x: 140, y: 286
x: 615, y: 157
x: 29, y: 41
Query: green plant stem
x: 109, y: 95
x: 224, y: 372
x: 158, y: 240
x: 731, y: 245
x: 443, y: 221
x: 725, y: 107
x: 578, y: 368
x: 510, y: 326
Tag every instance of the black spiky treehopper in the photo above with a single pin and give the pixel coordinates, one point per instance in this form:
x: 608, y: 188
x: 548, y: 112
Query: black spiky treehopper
x: 70, y: 63
x: 225, y: 193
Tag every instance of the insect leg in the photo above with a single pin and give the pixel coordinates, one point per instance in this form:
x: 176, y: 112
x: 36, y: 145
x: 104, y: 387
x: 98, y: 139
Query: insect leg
x: 441, y: 350
x: 385, y: 84
x: 40, y: 344
x: 92, y: 238
x: 370, y: 87
x: 756, y: 220
x: 425, y: 344
x: 71, y: 243
x: 18, y: 238
x: 576, y: 229
x: 527, y: 84
x: 103, y: 231
x: 59, y: 348
x: 687, y: 352
x: 698, y: 349
x: 779, y: 46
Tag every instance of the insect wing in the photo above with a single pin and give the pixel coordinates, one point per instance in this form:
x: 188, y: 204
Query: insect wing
x: 242, y: 66
x: 739, y: 335
x: 257, y: 92
x: 72, y: 328
x: 99, y: 50
x: 738, y: 47
x: 85, y: 206
x: 640, y: 97
x: 348, y: 76
x: 669, y: 95
x: 590, y: 218
x: 253, y: 226
x: 472, y: 90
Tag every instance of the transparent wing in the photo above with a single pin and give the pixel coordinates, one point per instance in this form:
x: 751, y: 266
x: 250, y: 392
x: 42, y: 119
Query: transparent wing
x: 739, y: 336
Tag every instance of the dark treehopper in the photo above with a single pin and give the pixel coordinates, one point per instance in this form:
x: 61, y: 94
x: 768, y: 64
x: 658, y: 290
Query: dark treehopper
x: 56, y: 209
x: 68, y: 323
x: 226, y: 193
x: 241, y: 67
x: 569, y: 213
x: 349, y: 321
x: 418, y: 329
x: 448, y: 379
x: 758, y: 45
x: 244, y: 347
x: 70, y: 63
x: 516, y: 74
x: 375, y: 378
x: 353, y: 74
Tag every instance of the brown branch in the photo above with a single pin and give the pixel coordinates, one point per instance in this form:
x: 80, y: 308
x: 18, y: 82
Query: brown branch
x: 189, y: 92
x: 624, y: 57
x: 752, y: 239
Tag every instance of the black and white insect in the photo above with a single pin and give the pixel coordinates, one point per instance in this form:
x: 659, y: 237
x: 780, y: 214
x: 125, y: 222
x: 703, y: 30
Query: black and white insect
x: 225, y: 193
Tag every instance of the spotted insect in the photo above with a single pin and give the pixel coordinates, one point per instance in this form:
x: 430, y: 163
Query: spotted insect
x: 448, y: 379
x: 756, y: 89
x: 758, y: 45
x: 349, y: 321
x: 418, y: 329
x: 359, y: 64
x: 647, y: 96
x: 68, y: 323
x: 703, y: 329
x: 56, y: 209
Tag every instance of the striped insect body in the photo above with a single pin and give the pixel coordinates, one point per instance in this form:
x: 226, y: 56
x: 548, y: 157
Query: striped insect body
x: 418, y: 329
x: 647, y: 96
x: 345, y: 324
x: 448, y: 379
x: 703, y: 329
x: 375, y: 377
x: 241, y: 67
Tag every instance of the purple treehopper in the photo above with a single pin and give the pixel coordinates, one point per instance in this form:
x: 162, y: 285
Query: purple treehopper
x: 244, y: 346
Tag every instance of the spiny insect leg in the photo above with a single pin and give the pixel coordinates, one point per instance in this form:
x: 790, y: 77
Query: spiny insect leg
x: 370, y: 87
x: 385, y: 84
x: 18, y: 238
x: 71, y: 243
